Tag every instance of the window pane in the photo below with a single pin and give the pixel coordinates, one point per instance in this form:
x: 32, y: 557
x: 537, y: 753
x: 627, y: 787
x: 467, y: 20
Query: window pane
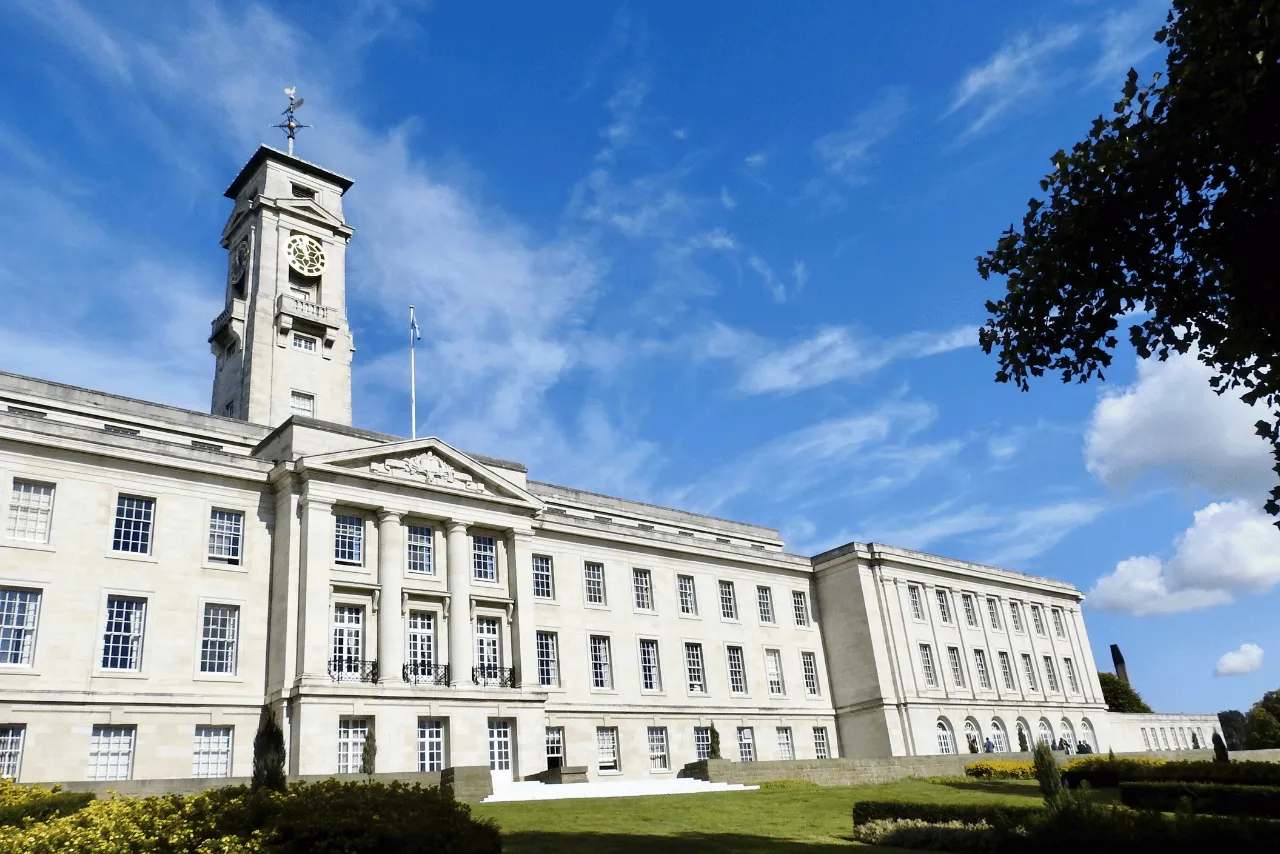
x: 810, y: 663
x: 702, y: 742
x: 746, y: 744
x: 658, y: 760
x: 821, y: 748
x: 594, y: 576
x: 737, y: 670
x: 548, y: 655
x: 133, y: 524
x: 122, y: 640
x: 348, y: 540
x: 484, y: 558
x: 773, y: 672
x: 352, y: 733
x: 800, y: 604
x: 728, y: 601
x: 764, y: 596
x: 19, y: 611
x: 218, y: 639
x: 302, y: 404
x: 688, y: 595
x: 543, y: 582
x: 607, y: 748
x: 111, y: 753
x: 601, y: 673
x: 225, y: 530
x: 11, y: 738
x: 650, y: 671
x: 420, y: 549
x: 430, y: 744
x: 926, y: 665
x: 212, y: 752
x: 643, y: 584
x: 30, y: 511
x: 693, y: 667
x: 785, y: 749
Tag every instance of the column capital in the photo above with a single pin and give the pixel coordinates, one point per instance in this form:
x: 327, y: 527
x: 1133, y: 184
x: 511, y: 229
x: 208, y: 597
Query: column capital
x: 452, y: 525
x: 307, y: 502
x: 387, y: 514
x: 520, y: 535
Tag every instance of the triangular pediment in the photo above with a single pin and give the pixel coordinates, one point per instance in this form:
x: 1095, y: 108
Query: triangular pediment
x: 430, y: 463
x: 309, y: 209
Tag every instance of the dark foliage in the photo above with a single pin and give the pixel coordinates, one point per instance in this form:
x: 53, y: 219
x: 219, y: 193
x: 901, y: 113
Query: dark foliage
x: 1120, y: 695
x: 1109, y: 773
x: 268, y: 753
x: 714, y: 750
x: 996, y: 815
x: 1232, y: 723
x: 1215, y: 798
x: 1220, y: 749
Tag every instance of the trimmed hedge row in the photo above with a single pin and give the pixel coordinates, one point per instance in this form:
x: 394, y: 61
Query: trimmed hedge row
x: 1215, y: 798
x: 42, y: 807
x: 995, y: 815
x: 1001, y: 769
x: 1104, y: 772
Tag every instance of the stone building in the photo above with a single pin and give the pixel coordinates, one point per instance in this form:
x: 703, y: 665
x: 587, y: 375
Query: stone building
x: 164, y: 573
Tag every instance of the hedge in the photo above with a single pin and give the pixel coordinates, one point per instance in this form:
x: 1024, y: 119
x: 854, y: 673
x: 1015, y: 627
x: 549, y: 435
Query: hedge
x: 1086, y: 827
x: 995, y: 815
x: 1106, y: 772
x: 43, y: 807
x: 1001, y: 769
x: 1215, y: 798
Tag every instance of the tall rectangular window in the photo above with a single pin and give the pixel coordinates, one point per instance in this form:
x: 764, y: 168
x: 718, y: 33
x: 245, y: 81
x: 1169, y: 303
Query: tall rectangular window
x: 348, y: 540
x: 484, y: 558
x: 917, y: 605
x: 800, y: 607
x: 548, y: 659
x: 786, y: 750
x: 688, y: 595
x: 19, y: 613
x: 694, y: 671
x: 352, y: 733
x: 348, y: 641
x: 764, y: 599
x: 702, y: 742
x: 1072, y: 683
x: 1029, y: 670
x: 1146, y: 742
x: 737, y: 670
x: 926, y: 665
x: 1058, y: 628
x: 993, y: 612
x: 650, y: 669
x: 1038, y: 619
x: 1050, y: 674
x: 809, y: 662
x: 555, y: 747
x: 111, y: 753
x: 821, y: 746
x: 970, y: 612
x: 301, y: 403
x: 957, y: 666
x: 226, y: 530
x: 134, y: 518
x: 421, y: 637
x: 980, y: 665
x: 122, y: 638
x: 773, y: 672
x: 430, y: 744
x: 499, y: 745
x: 30, y: 511
x: 944, y: 606
x: 1015, y: 615
x: 212, y: 753
x: 601, y: 670
x: 488, y: 648
x: 593, y: 574
x: 658, y: 759
x: 1006, y: 671
x: 642, y: 582
x: 728, y: 601
x: 543, y: 578
x: 420, y: 541
x: 218, y: 635
x: 607, y: 748
x: 746, y: 744
x: 11, y: 738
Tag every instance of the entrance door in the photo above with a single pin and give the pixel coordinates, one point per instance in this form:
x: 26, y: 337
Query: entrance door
x: 500, y: 751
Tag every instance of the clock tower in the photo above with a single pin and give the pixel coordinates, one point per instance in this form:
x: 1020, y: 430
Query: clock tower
x: 282, y: 343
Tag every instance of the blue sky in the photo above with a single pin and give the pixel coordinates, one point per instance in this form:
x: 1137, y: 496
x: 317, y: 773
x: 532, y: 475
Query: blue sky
x: 712, y: 255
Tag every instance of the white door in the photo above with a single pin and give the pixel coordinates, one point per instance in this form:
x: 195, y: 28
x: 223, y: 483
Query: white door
x: 500, y: 751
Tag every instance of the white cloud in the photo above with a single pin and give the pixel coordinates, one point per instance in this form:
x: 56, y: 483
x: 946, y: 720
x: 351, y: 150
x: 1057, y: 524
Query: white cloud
x: 1035, y: 530
x: 1013, y: 74
x: 1230, y: 548
x: 846, y: 153
x: 1170, y: 421
x: 1246, y: 659
x: 727, y: 200
x: 756, y: 160
x: 1126, y: 38
x: 777, y: 286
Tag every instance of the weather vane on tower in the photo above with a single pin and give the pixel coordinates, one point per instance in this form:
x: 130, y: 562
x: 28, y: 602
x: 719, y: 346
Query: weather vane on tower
x: 290, y: 125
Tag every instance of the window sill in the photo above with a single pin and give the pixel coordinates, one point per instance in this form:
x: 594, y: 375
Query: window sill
x: 134, y: 556
x: 685, y: 616
x: 609, y: 773
x: 224, y: 567
x: 30, y: 546
x: 543, y: 600
x: 18, y: 670
x: 612, y: 691
x: 350, y: 567
x: 214, y: 677
x: 597, y: 606
x: 661, y: 771
x: 645, y: 612
x: 733, y: 620
x: 122, y: 674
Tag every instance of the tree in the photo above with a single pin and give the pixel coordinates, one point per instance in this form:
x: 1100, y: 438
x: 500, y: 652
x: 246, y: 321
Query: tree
x: 1164, y: 217
x: 1232, y: 722
x: 369, y: 755
x: 713, y: 752
x: 268, y: 753
x: 1047, y: 772
x: 1261, y: 729
x: 1220, y: 749
x: 1022, y: 740
x: 1120, y: 696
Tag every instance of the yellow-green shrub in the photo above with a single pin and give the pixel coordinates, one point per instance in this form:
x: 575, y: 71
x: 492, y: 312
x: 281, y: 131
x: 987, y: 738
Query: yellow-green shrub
x: 21, y: 804
x: 1000, y: 769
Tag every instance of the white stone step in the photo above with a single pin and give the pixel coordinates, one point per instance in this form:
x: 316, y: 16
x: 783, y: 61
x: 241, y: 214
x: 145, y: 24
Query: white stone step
x: 535, y: 791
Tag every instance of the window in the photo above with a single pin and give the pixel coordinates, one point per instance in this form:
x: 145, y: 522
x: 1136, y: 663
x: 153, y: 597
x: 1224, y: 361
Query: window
x: 694, y: 672
x: 499, y: 745
x: 786, y: 750
x: 688, y: 595
x: 1015, y: 613
x: 19, y: 611
x: 122, y: 638
x: 543, y: 581
x: 993, y: 612
x: 746, y: 744
x: 226, y: 527
x: 301, y: 403
x: 926, y: 665
x: 917, y: 606
x: 111, y: 753
x: 304, y: 342
x: 302, y: 292
x: 421, y: 639
x: 998, y: 737
x: 484, y: 558
x: 601, y: 672
x: 1146, y: 742
x: 420, y: 550
x: 555, y: 747
x: 593, y: 573
x: 1038, y: 619
x: 1050, y: 676
x: 702, y: 742
x: 800, y: 605
x: 348, y: 640
x: 957, y: 666
x: 728, y: 601
x: 980, y: 665
x: 133, y: 524
x: 1164, y: 738
x: 607, y: 748
x: 1070, y: 668
x: 212, y: 756
x: 764, y: 597
x: 1006, y: 672
x: 30, y: 511
x: 348, y: 540
x: 944, y: 606
x: 1045, y: 734
x: 548, y: 659
x: 658, y: 760
x: 352, y: 733
x: 737, y: 670
x: 1029, y: 669
x: 488, y: 650
x: 11, y: 737
x: 946, y: 744
x: 970, y: 613
x: 430, y: 744
x: 809, y: 663
x: 650, y: 669
x: 642, y: 582
x: 218, y: 636
x: 821, y: 747
x: 773, y: 672
x: 1058, y: 628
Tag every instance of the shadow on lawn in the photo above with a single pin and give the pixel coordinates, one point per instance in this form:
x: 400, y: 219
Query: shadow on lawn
x: 1024, y: 788
x: 684, y: 843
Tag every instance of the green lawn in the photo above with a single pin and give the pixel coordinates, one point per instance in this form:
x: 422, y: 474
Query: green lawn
x: 769, y: 821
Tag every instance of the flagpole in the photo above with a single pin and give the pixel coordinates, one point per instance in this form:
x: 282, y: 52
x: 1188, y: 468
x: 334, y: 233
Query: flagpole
x: 413, y: 379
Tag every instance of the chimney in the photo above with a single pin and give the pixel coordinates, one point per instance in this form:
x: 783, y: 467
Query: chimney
x: 1118, y: 660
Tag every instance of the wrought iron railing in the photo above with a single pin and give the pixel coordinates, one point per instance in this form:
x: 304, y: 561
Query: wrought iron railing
x: 419, y: 673
x: 494, y: 676
x: 353, y: 670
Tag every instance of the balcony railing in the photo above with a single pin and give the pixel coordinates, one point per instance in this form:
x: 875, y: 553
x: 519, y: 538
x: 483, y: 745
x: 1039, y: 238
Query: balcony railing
x: 419, y: 673
x: 494, y: 676
x: 314, y: 312
x: 353, y: 670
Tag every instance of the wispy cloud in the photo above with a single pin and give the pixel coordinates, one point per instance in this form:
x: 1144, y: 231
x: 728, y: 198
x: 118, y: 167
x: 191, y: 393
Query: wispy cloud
x: 1125, y: 39
x: 846, y: 154
x: 1013, y: 74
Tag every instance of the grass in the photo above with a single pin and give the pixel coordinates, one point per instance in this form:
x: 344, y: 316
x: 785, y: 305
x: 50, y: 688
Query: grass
x: 784, y: 820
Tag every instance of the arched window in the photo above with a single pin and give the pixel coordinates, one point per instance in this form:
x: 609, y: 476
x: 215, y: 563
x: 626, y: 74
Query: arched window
x: 1044, y: 732
x: 946, y: 744
x: 998, y: 737
x: 1023, y: 734
x: 972, y: 736
x: 1069, y: 733
x: 1088, y: 737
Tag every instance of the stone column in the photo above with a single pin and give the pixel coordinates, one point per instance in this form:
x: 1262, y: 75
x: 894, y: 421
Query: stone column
x: 458, y: 559
x: 390, y: 579
x: 524, y: 652
x: 317, y: 559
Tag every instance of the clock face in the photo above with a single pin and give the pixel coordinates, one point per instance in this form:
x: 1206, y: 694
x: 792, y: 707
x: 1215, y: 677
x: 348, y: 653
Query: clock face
x: 306, y: 255
x: 239, y: 260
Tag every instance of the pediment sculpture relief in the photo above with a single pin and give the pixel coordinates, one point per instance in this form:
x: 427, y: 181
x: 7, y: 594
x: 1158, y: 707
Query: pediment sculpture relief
x: 428, y: 468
